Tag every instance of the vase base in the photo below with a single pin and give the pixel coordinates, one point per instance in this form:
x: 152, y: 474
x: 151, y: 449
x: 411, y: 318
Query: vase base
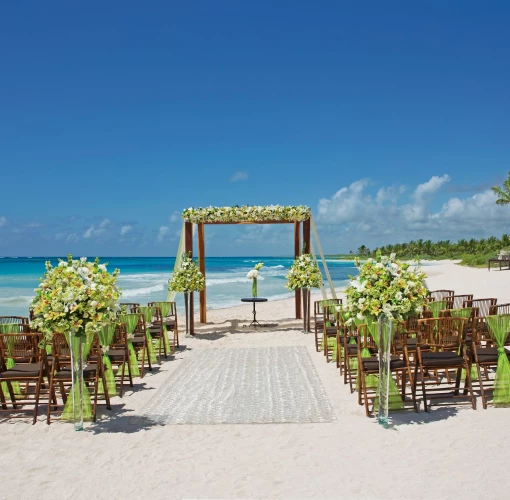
x: 383, y: 421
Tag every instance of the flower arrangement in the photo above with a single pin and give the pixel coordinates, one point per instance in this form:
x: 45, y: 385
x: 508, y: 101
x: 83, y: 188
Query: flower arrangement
x: 253, y: 275
x: 76, y: 297
x: 188, y: 278
x: 247, y: 213
x: 304, y: 273
x: 386, y: 287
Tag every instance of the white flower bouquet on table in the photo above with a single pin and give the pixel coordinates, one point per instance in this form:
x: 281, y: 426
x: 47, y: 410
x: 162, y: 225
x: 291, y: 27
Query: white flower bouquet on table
x: 386, y: 287
x: 253, y: 275
x: 76, y: 297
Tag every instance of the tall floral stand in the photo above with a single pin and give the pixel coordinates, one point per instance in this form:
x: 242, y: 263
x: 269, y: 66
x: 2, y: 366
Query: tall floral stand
x: 386, y: 332
x: 305, y: 293
x: 77, y: 379
x: 254, y: 288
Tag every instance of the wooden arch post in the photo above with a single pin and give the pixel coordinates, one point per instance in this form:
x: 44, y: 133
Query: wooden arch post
x: 188, y: 247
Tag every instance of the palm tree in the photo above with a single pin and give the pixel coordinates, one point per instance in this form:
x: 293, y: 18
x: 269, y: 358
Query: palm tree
x: 503, y: 192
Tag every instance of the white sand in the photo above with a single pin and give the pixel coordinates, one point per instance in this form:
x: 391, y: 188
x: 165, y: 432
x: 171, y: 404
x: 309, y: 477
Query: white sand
x: 451, y: 452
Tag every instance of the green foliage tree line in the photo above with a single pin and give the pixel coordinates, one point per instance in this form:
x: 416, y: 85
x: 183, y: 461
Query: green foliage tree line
x: 472, y: 252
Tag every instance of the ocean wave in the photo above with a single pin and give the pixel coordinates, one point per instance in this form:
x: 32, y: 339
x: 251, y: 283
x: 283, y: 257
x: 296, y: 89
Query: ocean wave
x: 135, y: 292
x: 19, y: 300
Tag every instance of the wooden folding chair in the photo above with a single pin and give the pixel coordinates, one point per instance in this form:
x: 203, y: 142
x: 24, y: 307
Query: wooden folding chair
x: 22, y: 362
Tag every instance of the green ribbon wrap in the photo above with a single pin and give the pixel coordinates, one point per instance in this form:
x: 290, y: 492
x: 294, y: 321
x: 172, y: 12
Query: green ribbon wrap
x: 165, y: 309
x: 9, y: 362
x: 131, y: 321
x: 148, y: 313
x: 499, y: 325
x: 105, y: 338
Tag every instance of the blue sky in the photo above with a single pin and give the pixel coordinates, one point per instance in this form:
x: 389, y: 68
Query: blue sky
x: 389, y: 119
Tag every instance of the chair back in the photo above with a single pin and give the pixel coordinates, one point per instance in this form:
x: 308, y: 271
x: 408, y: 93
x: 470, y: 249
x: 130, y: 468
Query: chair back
x: 21, y: 347
x: 456, y: 301
x: 499, y: 309
x: 22, y: 321
x: 319, y: 305
x: 483, y: 306
x: 440, y: 294
x: 171, y: 306
x: 128, y: 306
x: 119, y: 335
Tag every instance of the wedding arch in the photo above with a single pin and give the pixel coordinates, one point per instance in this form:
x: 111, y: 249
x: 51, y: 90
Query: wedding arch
x: 299, y: 215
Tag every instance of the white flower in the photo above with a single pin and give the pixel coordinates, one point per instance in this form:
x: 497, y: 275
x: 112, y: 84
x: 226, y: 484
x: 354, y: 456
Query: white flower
x: 393, y: 256
x: 83, y: 259
x: 360, y: 316
x: 62, y: 263
x: 93, y: 303
x: 102, y: 267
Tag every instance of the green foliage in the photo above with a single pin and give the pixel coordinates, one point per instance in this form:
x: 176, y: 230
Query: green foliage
x: 503, y: 192
x: 188, y: 278
x: 472, y: 252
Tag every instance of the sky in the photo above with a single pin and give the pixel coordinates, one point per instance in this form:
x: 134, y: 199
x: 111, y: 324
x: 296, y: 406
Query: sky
x: 390, y: 120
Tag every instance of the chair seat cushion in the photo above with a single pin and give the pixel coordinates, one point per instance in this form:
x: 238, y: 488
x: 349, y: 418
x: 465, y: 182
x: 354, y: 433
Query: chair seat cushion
x: 489, y: 355
x: 372, y: 364
x: 21, y: 370
x: 169, y: 322
x: 353, y: 349
x: 330, y: 330
x: 89, y: 371
x: 442, y: 359
x: 116, y: 354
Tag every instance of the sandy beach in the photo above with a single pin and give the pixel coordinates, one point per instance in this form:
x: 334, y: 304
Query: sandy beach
x: 451, y: 452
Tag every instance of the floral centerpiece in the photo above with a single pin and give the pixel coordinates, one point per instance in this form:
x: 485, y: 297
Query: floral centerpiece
x: 76, y: 298
x: 304, y: 274
x: 253, y: 275
x: 388, y: 291
x: 247, y: 213
x: 386, y: 287
x: 187, y: 279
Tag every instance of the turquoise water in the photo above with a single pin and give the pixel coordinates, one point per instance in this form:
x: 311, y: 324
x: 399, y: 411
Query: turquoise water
x: 145, y: 279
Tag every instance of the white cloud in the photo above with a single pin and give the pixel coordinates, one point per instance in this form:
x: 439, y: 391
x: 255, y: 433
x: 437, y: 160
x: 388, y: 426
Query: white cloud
x: 391, y: 216
x: 163, y: 231
x: 32, y: 225
x: 125, y: 229
x: 104, y: 223
x: 3, y: 221
x: 175, y: 217
x: 240, y: 175
x: 88, y: 233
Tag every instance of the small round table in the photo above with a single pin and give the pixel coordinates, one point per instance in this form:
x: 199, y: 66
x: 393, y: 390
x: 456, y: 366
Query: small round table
x: 254, y: 300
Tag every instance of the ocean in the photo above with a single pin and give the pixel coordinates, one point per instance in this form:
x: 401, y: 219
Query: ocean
x: 145, y: 279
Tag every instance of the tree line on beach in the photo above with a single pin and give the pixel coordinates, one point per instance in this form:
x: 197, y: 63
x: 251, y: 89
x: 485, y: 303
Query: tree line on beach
x: 471, y: 252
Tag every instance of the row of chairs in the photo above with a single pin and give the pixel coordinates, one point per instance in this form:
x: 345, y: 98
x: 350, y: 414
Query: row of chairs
x: 29, y: 373
x: 424, y: 351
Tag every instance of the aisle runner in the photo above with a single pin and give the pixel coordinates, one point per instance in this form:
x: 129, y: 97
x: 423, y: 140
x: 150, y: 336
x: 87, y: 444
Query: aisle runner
x: 243, y: 385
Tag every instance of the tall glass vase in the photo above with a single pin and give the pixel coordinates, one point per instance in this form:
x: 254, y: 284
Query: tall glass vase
x: 305, y: 293
x: 186, y: 308
x: 386, y: 331
x: 77, y: 379
x: 254, y: 288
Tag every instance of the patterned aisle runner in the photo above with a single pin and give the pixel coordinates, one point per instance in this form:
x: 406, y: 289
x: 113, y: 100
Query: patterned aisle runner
x: 242, y: 385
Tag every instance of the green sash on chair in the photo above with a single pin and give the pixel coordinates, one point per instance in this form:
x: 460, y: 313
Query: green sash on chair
x: 499, y: 325
x: 105, y: 338
x: 148, y: 313
x: 9, y: 362
x: 165, y: 309
x: 436, y: 306
x: 131, y: 321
